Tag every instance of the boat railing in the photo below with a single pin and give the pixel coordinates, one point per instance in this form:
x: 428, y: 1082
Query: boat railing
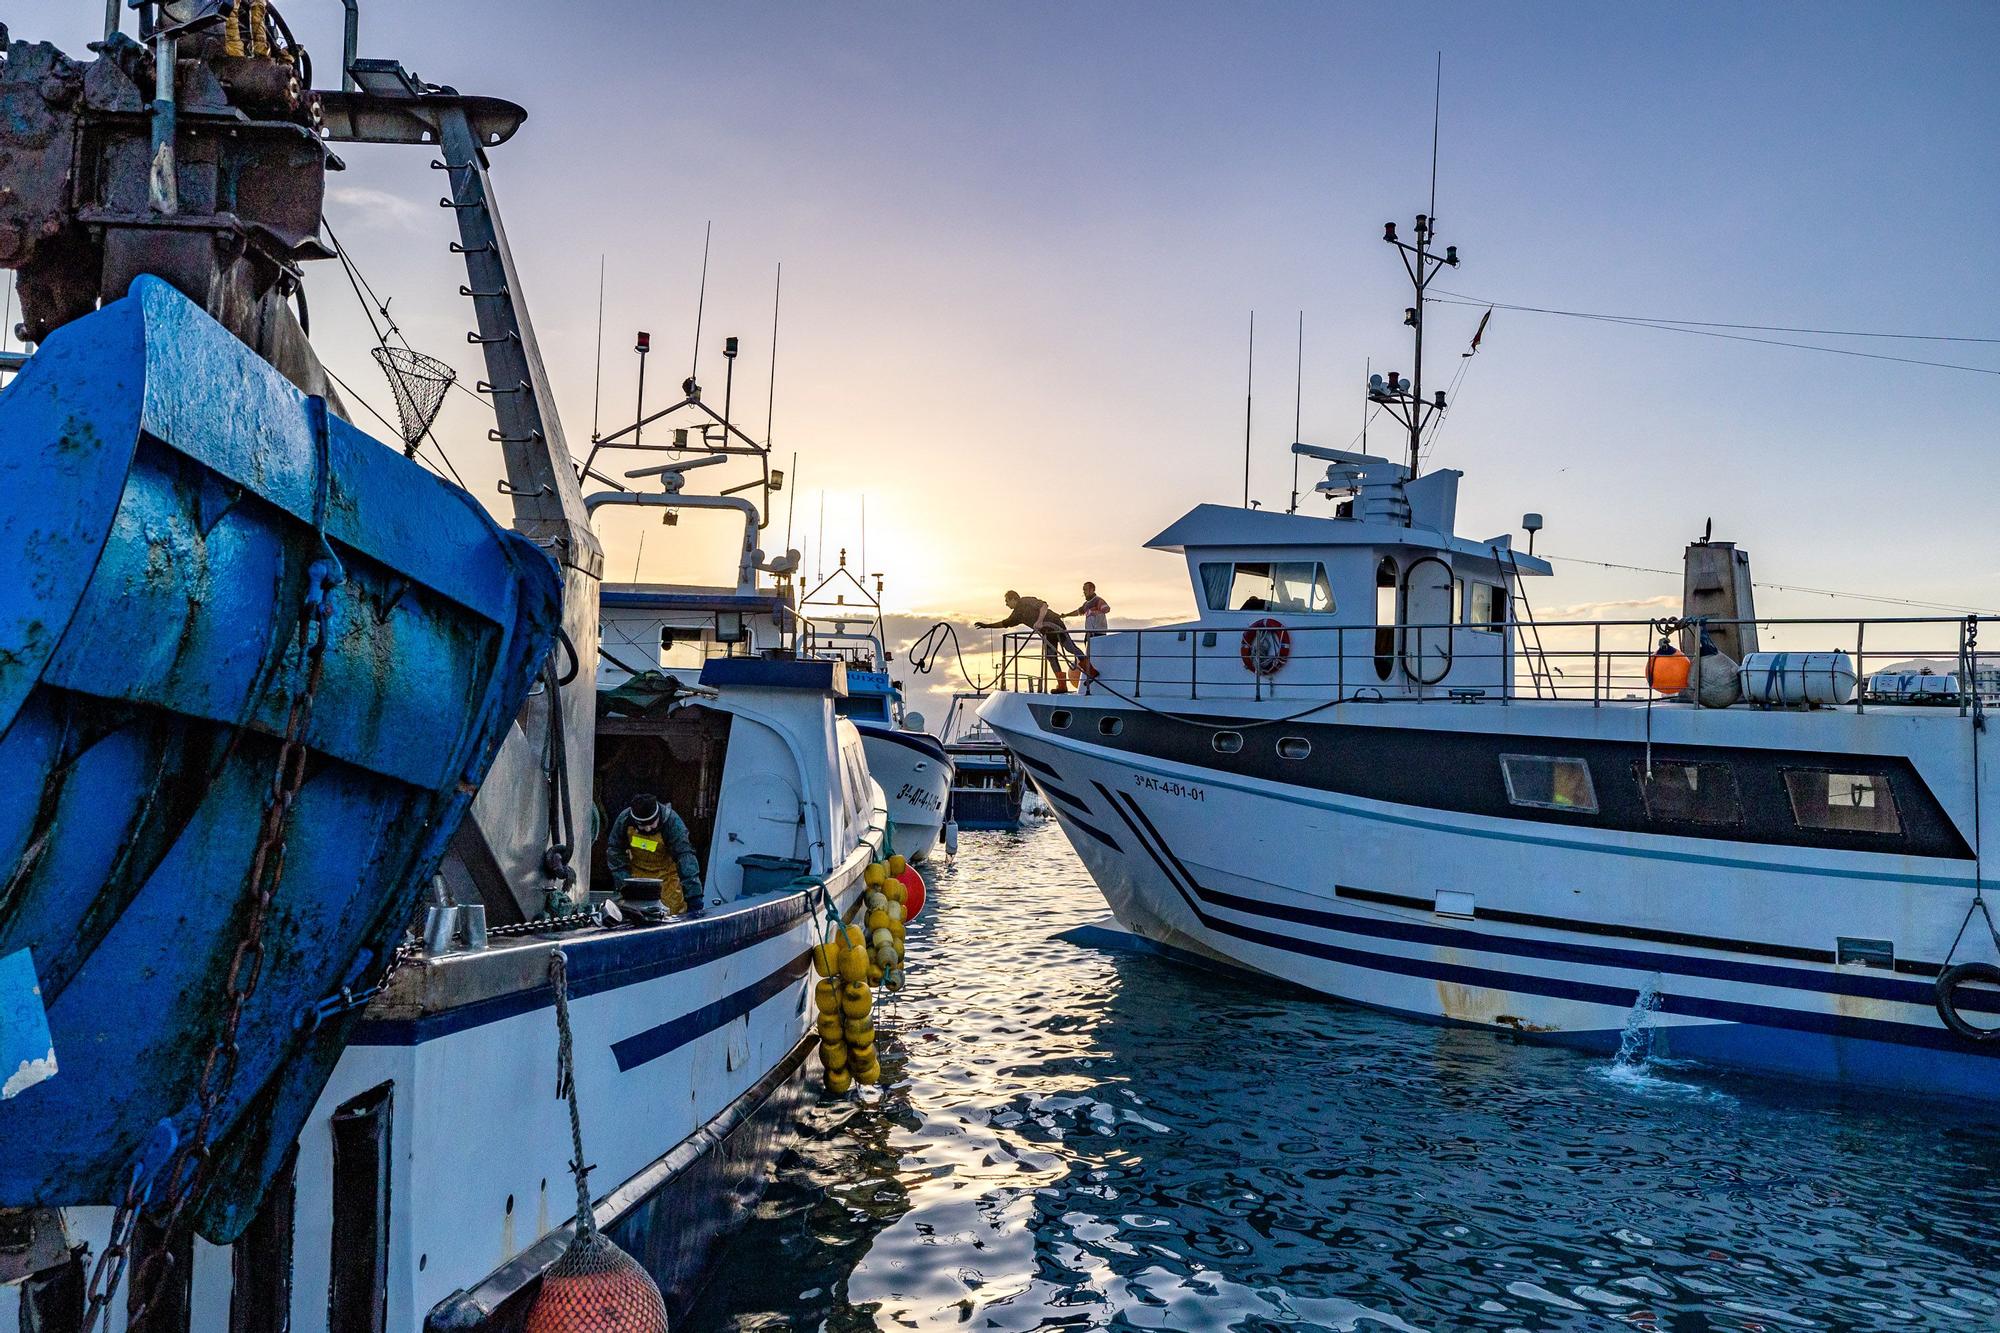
x: 1594, y: 662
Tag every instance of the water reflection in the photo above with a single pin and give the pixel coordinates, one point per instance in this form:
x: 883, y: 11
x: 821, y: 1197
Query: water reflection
x: 1084, y: 1138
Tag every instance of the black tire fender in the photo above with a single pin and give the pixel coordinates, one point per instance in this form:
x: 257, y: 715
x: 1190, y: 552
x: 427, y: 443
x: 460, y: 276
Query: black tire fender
x: 1948, y: 983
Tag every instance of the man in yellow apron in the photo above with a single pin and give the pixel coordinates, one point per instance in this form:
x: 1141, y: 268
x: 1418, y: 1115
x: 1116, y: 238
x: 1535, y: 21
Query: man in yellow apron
x: 648, y: 841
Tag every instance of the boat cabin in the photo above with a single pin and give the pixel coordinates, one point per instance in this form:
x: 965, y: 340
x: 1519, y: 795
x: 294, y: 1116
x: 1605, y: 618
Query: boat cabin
x: 1381, y: 597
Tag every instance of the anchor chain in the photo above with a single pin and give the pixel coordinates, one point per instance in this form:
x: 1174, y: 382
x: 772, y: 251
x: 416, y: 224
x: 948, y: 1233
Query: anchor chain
x: 182, y: 1168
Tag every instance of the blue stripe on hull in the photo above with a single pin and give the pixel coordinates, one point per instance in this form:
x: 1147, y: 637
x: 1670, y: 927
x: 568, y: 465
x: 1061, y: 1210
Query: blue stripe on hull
x: 1834, y: 1047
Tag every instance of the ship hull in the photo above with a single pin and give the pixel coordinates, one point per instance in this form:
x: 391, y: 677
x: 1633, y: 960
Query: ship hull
x: 914, y: 773
x: 1729, y: 954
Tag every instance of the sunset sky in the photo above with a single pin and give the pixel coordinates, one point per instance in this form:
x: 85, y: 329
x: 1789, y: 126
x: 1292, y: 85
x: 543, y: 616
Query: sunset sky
x: 1021, y: 244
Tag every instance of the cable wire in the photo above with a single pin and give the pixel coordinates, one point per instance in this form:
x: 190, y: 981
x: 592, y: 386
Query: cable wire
x: 1634, y: 321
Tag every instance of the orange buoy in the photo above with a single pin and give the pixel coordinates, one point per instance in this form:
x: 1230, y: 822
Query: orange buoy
x: 913, y: 883
x: 595, y: 1287
x: 1667, y: 669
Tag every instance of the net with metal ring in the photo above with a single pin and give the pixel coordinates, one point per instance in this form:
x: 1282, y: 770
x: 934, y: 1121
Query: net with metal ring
x: 419, y: 384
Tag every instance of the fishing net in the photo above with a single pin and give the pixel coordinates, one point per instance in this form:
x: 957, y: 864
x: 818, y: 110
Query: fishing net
x: 419, y: 384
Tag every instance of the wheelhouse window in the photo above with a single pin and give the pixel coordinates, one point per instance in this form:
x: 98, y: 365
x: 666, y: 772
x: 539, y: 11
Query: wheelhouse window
x: 1485, y: 605
x: 1543, y: 782
x: 1842, y: 802
x: 1298, y: 587
x: 1684, y: 793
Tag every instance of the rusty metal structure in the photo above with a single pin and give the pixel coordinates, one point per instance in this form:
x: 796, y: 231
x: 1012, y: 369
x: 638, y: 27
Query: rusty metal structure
x: 193, y: 155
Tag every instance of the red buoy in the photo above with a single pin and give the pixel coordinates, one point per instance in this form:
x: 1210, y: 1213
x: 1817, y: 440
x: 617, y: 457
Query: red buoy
x: 913, y: 901
x: 595, y: 1287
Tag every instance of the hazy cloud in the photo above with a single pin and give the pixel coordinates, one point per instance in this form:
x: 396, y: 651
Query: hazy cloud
x: 376, y: 209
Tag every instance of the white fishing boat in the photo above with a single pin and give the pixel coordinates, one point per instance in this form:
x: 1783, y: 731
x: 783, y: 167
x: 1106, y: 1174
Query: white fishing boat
x: 911, y: 765
x: 1364, y: 767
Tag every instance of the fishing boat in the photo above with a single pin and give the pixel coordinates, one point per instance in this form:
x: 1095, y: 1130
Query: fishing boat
x: 1363, y: 766
x: 988, y: 786
x: 328, y: 1098
x: 910, y: 764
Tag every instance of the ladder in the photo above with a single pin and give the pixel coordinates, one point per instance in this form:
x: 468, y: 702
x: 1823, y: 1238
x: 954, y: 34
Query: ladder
x: 1539, y: 670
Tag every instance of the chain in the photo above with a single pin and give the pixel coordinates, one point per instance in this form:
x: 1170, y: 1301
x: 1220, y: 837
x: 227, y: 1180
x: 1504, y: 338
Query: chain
x: 586, y: 1218
x: 187, y: 1167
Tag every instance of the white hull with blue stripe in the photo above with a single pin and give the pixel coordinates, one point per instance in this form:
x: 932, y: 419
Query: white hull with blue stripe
x: 1545, y: 929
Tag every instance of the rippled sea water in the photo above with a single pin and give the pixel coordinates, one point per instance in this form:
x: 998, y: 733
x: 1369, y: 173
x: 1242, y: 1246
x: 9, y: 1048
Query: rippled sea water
x: 1074, y: 1137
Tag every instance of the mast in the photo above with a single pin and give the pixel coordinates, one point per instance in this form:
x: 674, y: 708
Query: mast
x: 1404, y: 398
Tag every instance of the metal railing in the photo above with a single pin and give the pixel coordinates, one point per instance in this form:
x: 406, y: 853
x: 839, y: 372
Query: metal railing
x: 1593, y: 662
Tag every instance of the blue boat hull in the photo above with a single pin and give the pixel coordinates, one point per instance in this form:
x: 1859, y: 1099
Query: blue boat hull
x: 164, y: 496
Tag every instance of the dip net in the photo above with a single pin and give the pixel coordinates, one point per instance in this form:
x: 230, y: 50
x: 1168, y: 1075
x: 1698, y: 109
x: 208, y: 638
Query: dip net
x: 419, y: 384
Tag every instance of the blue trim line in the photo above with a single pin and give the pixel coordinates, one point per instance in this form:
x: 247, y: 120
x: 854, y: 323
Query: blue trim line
x: 921, y: 741
x: 1040, y: 767
x: 1096, y: 833
x: 670, y: 1036
x: 1617, y: 997
x: 602, y: 963
x: 1050, y: 789
x: 1208, y: 778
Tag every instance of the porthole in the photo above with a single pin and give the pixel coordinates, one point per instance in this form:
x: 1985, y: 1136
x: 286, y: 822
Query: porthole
x: 1228, y: 742
x: 1110, y: 726
x: 1294, y: 747
x: 1060, y: 719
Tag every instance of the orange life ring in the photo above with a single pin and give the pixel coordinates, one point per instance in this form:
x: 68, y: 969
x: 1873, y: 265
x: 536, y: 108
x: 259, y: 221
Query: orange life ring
x: 1267, y: 644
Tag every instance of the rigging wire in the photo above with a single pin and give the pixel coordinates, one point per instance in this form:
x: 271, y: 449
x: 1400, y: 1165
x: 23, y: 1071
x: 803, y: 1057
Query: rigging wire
x: 359, y: 282
x: 1789, y: 587
x: 1703, y: 331
x: 348, y: 389
x: 1717, y: 324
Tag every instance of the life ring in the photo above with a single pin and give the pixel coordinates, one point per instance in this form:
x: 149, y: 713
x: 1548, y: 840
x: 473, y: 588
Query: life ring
x: 1948, y: 983
x: 1267, y: 644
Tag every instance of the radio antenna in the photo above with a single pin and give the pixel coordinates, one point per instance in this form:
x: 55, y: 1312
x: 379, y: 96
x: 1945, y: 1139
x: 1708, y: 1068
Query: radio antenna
x: 1437, y: 102
x: 701, y: 299
x: 597, y: 384
x: 1298, y: 401
x: 771, y: 398
x: 1249, y: 386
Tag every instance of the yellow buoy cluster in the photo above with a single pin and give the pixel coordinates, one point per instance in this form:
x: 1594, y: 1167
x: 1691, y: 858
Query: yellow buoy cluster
x: 851, y: 961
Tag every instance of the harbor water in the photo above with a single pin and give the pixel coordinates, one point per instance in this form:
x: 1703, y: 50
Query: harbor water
x: 1073, y: 1136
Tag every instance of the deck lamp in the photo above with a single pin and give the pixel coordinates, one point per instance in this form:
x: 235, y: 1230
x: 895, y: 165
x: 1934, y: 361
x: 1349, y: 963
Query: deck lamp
x: 1389, y: 232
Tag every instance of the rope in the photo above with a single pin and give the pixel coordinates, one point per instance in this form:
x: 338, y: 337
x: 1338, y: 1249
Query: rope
x: 586, y: 1219
x: 923, y: 652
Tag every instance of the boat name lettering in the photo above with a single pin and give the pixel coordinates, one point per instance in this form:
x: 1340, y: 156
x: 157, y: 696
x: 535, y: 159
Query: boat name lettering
x: 1168, y: 787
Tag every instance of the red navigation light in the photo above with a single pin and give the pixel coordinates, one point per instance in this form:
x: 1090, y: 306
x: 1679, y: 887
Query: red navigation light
x: 645, y: 343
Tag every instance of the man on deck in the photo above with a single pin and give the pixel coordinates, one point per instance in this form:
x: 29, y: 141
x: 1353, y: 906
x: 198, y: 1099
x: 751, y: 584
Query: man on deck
x: 1096, y: 612
x: 650, y: 842
x: 1035, y: 613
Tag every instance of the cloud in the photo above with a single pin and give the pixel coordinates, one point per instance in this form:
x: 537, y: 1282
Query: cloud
x: 376, y: 210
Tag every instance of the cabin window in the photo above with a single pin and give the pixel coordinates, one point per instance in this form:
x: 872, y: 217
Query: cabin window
x: 1679, y: 793
x: 1842, y: 802
x: 1110, y: 726
x: 1546, y: 783
x: 1299, y: 587
x: 1485, y: 605
x: 1294, y: 747
x: 1060, y: 719
x: 1228, y: 742
x: 1457, y: 601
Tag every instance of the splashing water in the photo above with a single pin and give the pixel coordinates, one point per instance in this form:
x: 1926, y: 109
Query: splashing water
x: 1635, y: 1045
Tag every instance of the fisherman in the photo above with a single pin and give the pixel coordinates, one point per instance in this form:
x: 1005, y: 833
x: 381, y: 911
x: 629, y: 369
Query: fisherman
x: 1033, y: 612
x: 649, y: 842
x: 1096, y: 612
